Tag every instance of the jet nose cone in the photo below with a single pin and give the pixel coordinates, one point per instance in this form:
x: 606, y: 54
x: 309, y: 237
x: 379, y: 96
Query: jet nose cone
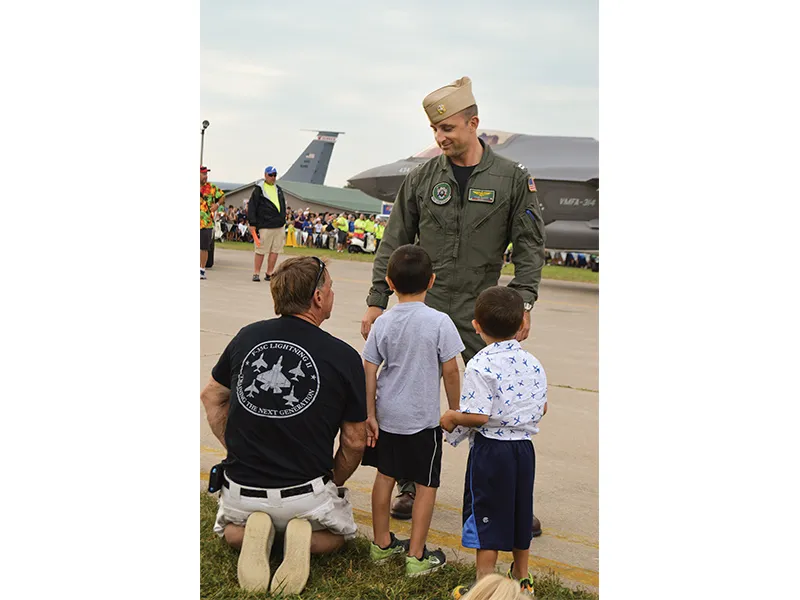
x: 369, y: 173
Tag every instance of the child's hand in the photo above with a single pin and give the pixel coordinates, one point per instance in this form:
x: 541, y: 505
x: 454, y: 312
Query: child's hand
x: 448, y: 420
x: 372, y: 431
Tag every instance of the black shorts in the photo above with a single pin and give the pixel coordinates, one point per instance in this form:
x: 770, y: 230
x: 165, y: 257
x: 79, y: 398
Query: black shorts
x: 342, y: 236
x: 416, y: 457
x: 205, y: 238
x: 498, y: 495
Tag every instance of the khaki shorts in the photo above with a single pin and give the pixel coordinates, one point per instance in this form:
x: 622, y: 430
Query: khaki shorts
x: 326, y: 507
x: 272, y: 240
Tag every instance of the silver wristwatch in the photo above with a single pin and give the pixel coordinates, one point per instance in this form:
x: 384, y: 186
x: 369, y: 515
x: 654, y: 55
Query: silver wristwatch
x: 528, y: 307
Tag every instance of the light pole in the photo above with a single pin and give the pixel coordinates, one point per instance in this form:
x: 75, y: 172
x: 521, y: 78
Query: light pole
x: 202, y: 139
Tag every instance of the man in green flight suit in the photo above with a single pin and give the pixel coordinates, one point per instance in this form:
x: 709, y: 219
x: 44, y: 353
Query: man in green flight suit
x: 465, y: 206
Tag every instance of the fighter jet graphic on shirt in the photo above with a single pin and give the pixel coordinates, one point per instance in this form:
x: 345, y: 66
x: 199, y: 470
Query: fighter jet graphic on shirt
x: 274, y: 379
x: 260, y: 363
x: 251, y: 389
x: 297, y: 371
x: 290, y: 399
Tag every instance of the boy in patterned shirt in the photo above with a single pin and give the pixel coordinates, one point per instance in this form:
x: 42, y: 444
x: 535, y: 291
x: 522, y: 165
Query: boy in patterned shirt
x: 504, y: 396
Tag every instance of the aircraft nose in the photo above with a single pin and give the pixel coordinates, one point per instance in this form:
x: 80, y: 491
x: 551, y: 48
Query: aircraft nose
x: 369, y: 173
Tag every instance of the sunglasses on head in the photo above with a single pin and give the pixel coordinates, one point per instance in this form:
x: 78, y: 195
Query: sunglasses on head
x: 319, y: 274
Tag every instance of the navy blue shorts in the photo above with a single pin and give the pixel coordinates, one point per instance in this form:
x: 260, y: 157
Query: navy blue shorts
x: 498, y: 495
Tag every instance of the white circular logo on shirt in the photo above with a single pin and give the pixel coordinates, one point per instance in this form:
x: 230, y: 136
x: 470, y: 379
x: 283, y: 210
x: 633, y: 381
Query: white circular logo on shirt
x: 277, y: 380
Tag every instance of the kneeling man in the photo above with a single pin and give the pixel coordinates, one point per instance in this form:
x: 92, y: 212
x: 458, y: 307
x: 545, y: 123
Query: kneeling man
x: 279, y: 394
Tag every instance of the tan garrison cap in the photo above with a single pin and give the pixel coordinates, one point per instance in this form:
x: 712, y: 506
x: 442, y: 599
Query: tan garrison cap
x: 448, y: 100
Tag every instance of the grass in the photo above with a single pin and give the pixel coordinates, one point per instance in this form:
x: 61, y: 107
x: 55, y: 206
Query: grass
x: 346, y: 574
x: 548, y: 272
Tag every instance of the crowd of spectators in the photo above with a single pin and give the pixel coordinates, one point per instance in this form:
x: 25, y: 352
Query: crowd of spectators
x: 319, y: 230
x: 303, y: 227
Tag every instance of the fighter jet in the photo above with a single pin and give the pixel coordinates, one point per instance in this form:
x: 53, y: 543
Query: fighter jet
x: 251, y: 389
x: 260, y: 363
x: 274, y: 379
x: 297, y: 371
x: 566, y: 171
x: 290, y: 399
x: 312, y: 165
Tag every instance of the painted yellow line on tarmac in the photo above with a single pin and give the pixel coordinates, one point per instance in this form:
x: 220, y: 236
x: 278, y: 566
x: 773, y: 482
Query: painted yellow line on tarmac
x: 210, y: 450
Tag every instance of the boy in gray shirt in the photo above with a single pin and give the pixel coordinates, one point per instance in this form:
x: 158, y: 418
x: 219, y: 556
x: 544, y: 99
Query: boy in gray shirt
x: 417, y: 346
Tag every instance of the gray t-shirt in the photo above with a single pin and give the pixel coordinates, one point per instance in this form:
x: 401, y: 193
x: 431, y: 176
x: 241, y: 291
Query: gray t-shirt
x: 411, y: 340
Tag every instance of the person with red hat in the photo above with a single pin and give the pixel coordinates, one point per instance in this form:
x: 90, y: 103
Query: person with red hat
x: 210, y: 199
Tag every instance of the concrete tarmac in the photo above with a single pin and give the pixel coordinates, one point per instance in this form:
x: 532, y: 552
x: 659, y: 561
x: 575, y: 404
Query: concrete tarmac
x: 564, y: 337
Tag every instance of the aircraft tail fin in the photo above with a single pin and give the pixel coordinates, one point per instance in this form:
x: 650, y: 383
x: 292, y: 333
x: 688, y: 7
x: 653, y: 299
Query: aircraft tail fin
x: 312, y: 165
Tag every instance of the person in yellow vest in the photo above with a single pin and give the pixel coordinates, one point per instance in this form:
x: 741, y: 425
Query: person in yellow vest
x: 369, y: 225
x: 359, y: 224
x: 343, y: 227
x: 266, y: 212
x: 290, y: 233
x: 379, y: 227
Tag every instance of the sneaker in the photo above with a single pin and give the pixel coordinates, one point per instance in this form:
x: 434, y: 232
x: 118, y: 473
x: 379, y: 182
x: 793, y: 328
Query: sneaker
x: 431, y: 561
x: 203, y: 274
x: 525, y: 585
x: 291, y: 577
x: 253, y: 566
x: 256, y: 277
x: 460, y: 591
x: 267, y: 277
x: 380, y: 555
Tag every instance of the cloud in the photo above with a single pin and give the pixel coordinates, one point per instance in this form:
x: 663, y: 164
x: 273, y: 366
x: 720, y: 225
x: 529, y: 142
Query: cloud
x: 364, y: 67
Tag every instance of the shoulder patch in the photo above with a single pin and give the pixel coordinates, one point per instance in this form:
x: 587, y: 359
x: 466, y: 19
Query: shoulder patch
x: 531, y: 183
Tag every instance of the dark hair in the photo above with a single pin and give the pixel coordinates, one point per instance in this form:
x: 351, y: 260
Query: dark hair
x: 499, y: 311
x: 470, y: 111
x: 410, y: 269
x: 294, y: 282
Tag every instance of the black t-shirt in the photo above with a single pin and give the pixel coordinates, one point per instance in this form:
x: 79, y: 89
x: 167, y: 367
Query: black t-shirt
x: 292, y: 384
x: 462, y: 176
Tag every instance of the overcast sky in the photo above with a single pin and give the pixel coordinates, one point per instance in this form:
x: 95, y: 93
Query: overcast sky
x: 269, y: 71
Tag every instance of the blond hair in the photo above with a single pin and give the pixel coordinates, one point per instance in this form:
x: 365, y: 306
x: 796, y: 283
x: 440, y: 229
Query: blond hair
x: 494, y: 587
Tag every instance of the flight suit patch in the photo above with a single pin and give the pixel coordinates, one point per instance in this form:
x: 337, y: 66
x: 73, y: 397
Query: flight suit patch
x: 486, y: 196
x: 441, y: 193
x: 531, y: 184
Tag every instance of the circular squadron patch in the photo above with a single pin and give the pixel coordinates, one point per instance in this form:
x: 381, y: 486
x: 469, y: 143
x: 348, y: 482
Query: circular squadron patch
x: 441, y: 193
x: 277, y: 380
